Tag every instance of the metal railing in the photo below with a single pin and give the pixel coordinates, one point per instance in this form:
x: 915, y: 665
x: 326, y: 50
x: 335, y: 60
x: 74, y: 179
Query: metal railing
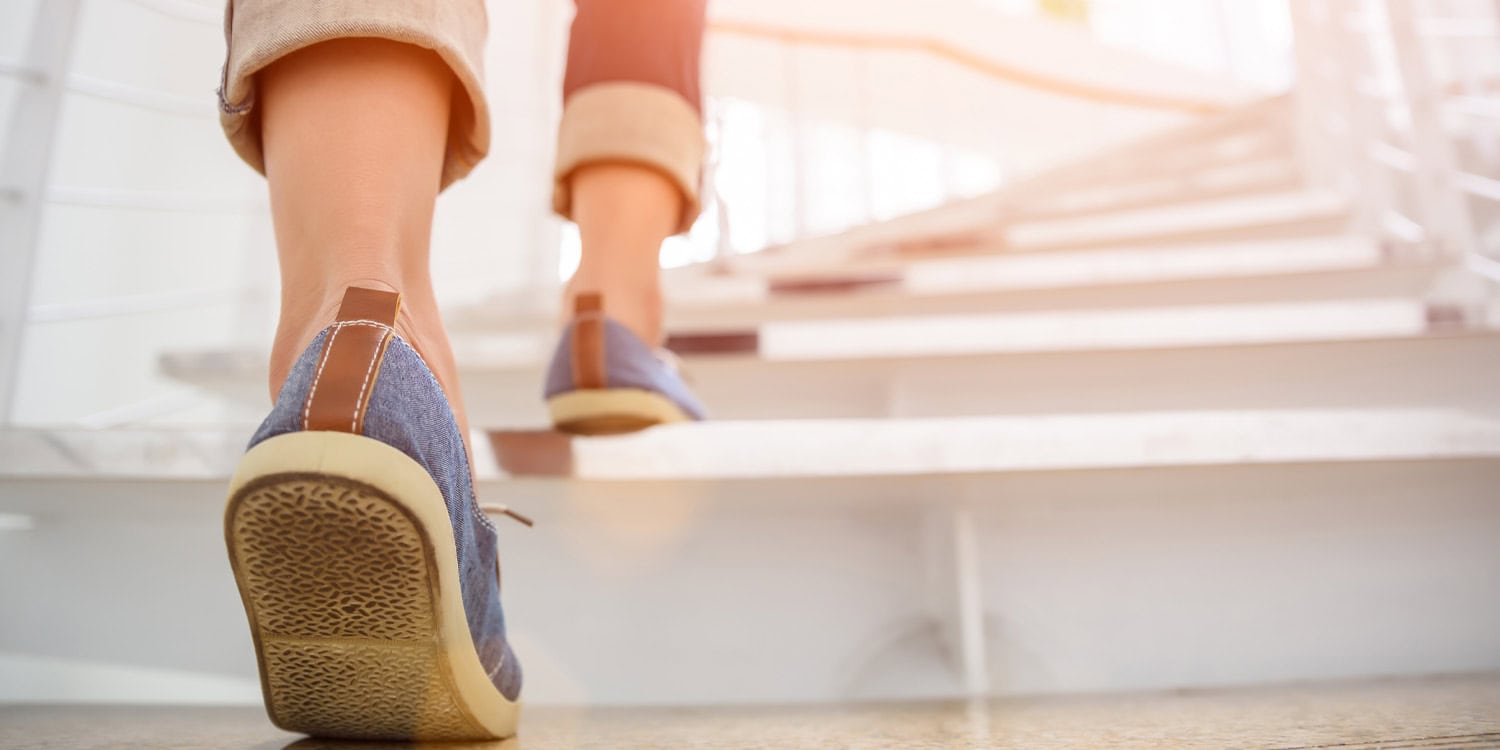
x: 1398, y: 110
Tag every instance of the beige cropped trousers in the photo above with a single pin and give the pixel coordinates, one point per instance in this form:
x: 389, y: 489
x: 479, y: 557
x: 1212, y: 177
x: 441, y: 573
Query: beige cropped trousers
x: 631, y: 93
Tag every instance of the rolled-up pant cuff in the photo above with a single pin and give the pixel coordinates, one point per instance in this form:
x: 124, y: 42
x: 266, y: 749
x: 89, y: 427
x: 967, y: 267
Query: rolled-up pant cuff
x: 635, y: 123
x: 260, y: 32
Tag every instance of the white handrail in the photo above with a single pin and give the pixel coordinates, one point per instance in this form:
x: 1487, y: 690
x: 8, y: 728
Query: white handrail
x: 1479, y: 185
x: 1458, y: 28
x: 141, y: 304
x: 157, y: 200
x: 25, y: 157
x: 1477, y: 106
x: 21, y: 71
x: 173, y: 104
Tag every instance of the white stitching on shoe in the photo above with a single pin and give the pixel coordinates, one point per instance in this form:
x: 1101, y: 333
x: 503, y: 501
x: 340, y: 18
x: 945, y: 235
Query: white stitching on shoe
x: 492, y: 672
x: 475, y: 512
x: 474, y: 508
x: 374, y: 357
x: 363, y: 322
x: 327, y: 350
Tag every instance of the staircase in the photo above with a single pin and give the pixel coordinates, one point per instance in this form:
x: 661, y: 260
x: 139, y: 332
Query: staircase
x: 1184, y: 414
x: 1161, y: 419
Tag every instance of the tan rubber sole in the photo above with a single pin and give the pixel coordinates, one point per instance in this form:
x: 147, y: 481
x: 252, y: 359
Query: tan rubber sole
x: 342, y: 549
x: 612, y: 411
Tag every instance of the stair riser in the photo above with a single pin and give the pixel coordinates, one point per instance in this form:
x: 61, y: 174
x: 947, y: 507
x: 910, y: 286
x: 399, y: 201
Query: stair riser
x: 1442, y: 372
x: 1395, y: 282
x: 1229, y: 182
x: 814, y: 591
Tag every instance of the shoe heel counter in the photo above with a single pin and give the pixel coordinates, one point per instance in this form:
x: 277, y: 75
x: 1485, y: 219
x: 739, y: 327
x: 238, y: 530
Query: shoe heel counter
x: 587, y: 344
x: 350, y: 361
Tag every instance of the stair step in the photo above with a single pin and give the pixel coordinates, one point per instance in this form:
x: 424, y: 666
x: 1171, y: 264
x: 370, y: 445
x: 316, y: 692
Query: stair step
x: 1448, y: 370
x: 1395, y: 370
x: 1202, y: 216
x: 1121, y: 280
x: 786, y: 449
x: 1153, y: 327
x: 1324, y: 267
x: 1104, y: 560
x: 1274, y: 173
x: 1226, y: 261
x: 854, y: 449
x: 1276, y: 214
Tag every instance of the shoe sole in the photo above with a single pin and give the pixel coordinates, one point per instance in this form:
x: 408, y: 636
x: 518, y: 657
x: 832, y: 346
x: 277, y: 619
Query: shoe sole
x: 343, y: 552
x: 612, y: 411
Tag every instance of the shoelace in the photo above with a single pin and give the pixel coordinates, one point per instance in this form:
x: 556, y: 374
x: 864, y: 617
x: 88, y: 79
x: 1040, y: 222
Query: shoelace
x: 502, y: 510
x: 496, y: 509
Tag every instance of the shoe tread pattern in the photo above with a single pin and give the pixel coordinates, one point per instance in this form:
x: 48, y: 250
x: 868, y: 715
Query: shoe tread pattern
x: 339, y: 585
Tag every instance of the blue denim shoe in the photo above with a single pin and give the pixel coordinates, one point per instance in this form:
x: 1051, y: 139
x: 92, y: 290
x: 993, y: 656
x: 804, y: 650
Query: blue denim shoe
x: 369, y: 575
x: 604, y: 380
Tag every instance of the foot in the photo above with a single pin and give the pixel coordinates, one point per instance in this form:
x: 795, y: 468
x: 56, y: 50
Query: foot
x: 605, y: 379
x: 369, y: 574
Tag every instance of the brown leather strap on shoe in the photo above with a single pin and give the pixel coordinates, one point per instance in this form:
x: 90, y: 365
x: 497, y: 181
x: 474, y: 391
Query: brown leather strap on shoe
x: 588, y: 341
x: 346, y: 372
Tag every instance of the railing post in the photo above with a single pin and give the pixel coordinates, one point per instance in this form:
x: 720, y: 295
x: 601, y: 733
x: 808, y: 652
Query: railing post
x: 801, y: 192
x: 1309, y: 38
x: 1445, y: 209
x: 862, y: 120
x: 957, y: 596
x: 25, y: 159
x: 1358, y: 174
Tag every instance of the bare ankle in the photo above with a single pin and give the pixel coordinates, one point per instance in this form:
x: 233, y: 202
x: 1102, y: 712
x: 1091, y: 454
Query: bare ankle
x: 307, y: 312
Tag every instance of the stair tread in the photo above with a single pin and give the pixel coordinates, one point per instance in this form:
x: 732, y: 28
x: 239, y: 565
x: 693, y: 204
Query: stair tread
x: 841, y: 448
x: 1434, y: 369
x: 1400, y: 320
x: 1328, y: 267
x: 1143, y: 327
x: 961, y: 445
x: 940, y: 291
x: 1188, y: 217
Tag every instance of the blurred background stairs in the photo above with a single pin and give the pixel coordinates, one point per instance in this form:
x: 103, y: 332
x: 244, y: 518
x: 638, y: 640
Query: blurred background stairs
x: 1204, y: 396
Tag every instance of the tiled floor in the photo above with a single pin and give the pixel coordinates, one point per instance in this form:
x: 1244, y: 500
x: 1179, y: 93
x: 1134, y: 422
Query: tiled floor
x: 1453, y: 713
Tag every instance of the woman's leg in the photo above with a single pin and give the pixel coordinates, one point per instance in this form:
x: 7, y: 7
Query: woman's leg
x: 354, y: 134
x: 630, y: 147
x: 624, y: 212
x: 359, y: 112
